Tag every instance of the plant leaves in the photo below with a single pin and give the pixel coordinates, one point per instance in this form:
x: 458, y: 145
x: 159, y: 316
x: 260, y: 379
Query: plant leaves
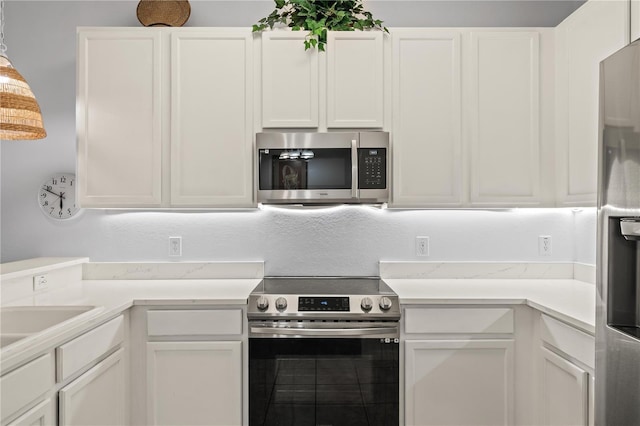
x: 318, y: 16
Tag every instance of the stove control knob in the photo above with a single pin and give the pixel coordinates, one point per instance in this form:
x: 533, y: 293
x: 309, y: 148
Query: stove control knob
x: 385, y: 303
x: 263, y: 303
x: 366, y: 304
x: 281, y: 303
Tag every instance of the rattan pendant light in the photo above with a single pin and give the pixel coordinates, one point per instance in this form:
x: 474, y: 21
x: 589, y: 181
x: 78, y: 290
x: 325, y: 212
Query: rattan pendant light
x: 20, y: 117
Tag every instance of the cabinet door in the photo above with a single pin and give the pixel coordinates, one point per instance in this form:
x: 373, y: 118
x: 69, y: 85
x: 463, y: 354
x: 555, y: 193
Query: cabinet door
x: 119, y: 118
x: 98, y: 396
x: 427, y: 133
x: 563, y: 391
x: 355, y: 79
x: 289, y: 80
x: 504, y: 102
x: 459, y: 382
x: 593, y: 32
x: 194, y: 383
x: 42, y: 414
x: 211, y: 118
x: 635, y: 20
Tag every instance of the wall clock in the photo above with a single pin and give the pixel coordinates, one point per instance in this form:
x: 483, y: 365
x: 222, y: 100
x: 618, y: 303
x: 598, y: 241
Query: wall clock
x: 57, y: 196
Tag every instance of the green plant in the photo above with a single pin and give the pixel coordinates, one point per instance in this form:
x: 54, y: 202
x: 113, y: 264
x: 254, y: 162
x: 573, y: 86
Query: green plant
x: 318, y: 17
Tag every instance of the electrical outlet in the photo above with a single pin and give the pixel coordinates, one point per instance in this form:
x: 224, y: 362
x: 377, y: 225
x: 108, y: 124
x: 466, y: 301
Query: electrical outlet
x: 544, y: 245
x: 175, y: 246
x: 40, y: 282
x: 422, y: 246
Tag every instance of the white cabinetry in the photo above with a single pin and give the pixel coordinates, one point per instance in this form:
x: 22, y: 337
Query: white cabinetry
x: 459, y: 370
x: 211, y: 118
x: 565, y: 379
x: 505, y: 124
x: 427, y: 127
x: 355, y: 79
x: 194, y: 383
x: 494, y: 159
x: 191, y: 365
x: 593, y: 32
x: 289, y: 80
x: 295, y: 84
x: 42, y: 414
x: 119, y: 117
x: 96, y: 397
x: 635, y: 20
x: 24, y: 386
x: 563, y: 391
x: 131, y: 84
x: 459, y: 382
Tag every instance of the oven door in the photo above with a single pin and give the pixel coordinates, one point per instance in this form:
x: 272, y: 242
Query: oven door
x: 307, y: 167
x: 324, y: 374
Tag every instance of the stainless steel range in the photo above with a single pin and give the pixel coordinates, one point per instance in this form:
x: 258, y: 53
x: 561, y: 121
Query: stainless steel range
x: 323, y: 351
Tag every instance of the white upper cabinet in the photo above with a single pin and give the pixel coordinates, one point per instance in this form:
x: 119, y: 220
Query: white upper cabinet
x: 593, y: 32
x: 289, y: 80
x: 165, y: 117
x: 505, y: 117
x: 119, y: 118
x: 348, y: 79
x: 427, y: 132
x: 355, y: 79
x: 467, y: 128
x: 211, y: 118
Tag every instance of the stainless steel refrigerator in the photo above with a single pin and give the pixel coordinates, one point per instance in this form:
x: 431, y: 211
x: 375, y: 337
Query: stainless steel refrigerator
x: 617, y: 390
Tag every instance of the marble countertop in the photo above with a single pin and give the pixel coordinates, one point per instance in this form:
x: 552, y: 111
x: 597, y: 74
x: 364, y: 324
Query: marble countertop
x: 569, y: 300
x: 111, y: 298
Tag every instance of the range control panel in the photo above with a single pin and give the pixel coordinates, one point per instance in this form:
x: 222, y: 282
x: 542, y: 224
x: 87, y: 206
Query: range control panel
x: 372, y: 168
x: 323, y: 304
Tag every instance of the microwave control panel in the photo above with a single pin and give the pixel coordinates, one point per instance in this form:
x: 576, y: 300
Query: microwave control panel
x: 372, y: 168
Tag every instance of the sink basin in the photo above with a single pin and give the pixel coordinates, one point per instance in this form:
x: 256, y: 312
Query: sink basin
x: 18, y: 322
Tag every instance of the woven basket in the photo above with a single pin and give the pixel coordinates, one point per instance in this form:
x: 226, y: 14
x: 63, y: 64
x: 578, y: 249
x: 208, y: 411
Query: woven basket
x: 20, y: 117
x: 163, y: 13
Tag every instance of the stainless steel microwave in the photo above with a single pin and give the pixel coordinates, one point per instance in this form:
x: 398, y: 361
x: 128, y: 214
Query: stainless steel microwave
x: 322, y: 168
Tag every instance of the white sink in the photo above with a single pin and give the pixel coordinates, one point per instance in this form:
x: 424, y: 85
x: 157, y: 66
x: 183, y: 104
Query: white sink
x: 18, y: 322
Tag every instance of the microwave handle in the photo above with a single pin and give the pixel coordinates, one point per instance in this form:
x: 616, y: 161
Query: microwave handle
x: 354, y: 168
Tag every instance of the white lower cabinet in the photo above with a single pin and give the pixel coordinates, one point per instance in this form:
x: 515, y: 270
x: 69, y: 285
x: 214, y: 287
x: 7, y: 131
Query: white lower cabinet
x: 459, y: 364
x: 459, y: 382
x: 566, y: 384
x: 42, y: 414
x: 98, y: 396
x: 564, y: 391
x: 190, y: 365
x: 194, y: 383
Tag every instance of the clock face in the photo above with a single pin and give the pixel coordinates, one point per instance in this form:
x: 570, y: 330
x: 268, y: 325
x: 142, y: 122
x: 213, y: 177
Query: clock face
x: 57, y: 196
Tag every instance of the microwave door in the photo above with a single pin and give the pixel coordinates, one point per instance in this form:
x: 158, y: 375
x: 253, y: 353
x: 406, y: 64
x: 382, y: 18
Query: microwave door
x: 311, y: 174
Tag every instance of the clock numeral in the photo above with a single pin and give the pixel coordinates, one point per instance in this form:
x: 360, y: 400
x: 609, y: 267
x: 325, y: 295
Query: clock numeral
x: 46, y: 203
x: 60, y: 213
x: 43, y: 195
x: 69, y: 211
x: 54, y: 181
x: 63, y: 179
x: 49, y: 188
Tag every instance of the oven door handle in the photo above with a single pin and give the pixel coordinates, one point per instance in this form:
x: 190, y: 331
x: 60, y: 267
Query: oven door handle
x: 391, y: 332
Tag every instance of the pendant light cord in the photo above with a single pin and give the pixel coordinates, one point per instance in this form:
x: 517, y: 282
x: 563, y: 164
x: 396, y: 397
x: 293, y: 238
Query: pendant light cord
x: 3, y: 47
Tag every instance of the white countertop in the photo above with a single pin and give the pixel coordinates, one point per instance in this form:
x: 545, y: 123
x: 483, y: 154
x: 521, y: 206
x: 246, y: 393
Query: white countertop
x: 112, y: 297
x: 569, y: 300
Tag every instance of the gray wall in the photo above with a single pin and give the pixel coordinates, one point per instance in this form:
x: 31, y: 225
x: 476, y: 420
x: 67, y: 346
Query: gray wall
x: 342, y: 240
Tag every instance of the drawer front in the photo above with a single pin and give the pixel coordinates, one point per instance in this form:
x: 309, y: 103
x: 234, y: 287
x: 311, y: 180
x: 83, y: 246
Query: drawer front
x: 81, y: 351
x: 569, y: 340
x: 25, y: 384
x: 458, y: 320
x: 42, y: 414
x: 200, y: 322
